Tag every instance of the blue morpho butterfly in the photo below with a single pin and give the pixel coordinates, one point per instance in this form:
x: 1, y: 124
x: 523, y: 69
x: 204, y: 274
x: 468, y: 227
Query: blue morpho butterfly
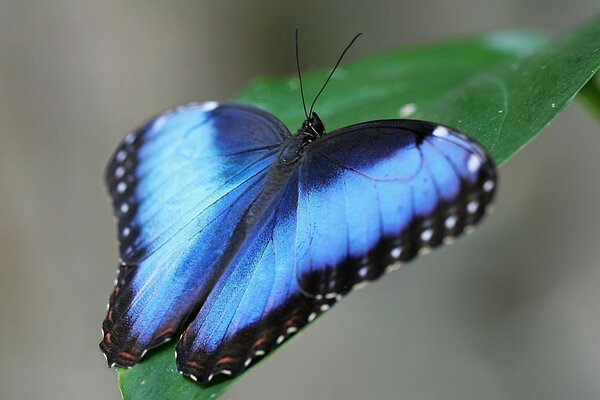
x: 238, y: 233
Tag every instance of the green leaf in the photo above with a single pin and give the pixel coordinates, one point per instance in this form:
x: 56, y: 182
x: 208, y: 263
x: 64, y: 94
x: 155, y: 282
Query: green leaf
x: 501, y: 88
x: 157, y: 378
x: 590, y: 97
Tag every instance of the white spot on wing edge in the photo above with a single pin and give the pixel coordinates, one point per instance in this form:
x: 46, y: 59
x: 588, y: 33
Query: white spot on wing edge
x: 488, y: 185
x: 119, y: 172
x: 441, y: 131
x: 121, y: 155
x: 121, y: 187
x: 474, y: 163
x: 426, y: 235
x: 396, y: 252
x: 130, y: 138
x: 472, y: 206
x: 363, y: 271
x: 124, y: 208
x: 209, y: 105
x: 450, y: 221
x: 160, y: 122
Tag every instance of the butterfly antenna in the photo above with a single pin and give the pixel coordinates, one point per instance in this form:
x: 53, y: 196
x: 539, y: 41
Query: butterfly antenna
x: 332, y: 71
x: 300, y: 75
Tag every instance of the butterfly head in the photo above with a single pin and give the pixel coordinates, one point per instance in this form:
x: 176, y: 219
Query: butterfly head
x: 312, y: 128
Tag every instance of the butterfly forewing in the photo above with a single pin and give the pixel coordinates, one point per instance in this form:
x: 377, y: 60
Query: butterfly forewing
x: 180, y: 185
x: 376, y: 193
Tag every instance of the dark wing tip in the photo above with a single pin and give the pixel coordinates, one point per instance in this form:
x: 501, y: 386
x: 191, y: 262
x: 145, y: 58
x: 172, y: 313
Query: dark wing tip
x: 123, y: 353
x: 117, y: 357
x: 236, y: 353
x: 119, y: 345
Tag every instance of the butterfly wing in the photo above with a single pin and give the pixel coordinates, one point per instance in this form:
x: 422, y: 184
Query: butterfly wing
x: 179, y: 185
x: 361, y: 199
x: 376, y: 193
x: 257, y: 302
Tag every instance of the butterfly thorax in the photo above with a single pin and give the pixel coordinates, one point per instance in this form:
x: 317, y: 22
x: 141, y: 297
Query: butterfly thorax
x: 312, y: 129
x: 279, y: 174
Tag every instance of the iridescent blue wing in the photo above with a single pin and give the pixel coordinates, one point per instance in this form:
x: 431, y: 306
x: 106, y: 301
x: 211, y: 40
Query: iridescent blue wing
x: 180, y: 186
x: 257, y: 302
x: 361, y: 199
x: 375, y: 194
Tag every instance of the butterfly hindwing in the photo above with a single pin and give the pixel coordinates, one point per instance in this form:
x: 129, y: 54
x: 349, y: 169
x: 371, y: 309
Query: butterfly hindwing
x: 376, y: 193
x: 180, y: 185
x: 256, y: 304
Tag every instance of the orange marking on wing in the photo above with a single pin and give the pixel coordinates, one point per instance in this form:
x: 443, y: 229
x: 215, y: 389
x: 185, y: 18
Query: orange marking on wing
x: 166, y: 332
x: 194, y: 364
x: 226, y: 360
x: 117, y: 290
x: 259, y: 342
x: 109, y: 316
x: 107, y: 337
x: 128, y: 356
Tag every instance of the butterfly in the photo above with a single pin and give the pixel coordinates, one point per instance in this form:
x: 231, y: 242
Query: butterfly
x: 235, y: 233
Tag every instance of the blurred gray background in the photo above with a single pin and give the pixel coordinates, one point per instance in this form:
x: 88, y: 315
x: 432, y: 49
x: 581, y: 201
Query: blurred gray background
x: 508, y: 313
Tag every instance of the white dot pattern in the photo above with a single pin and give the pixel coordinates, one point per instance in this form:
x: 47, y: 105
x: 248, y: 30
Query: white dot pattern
x: 441, y: 131
x: 121, y: 187
x: 473, y: 206
x: 474, y: 163
x: 119, y: 172
x: 121, y: 155
x: 426, y: 235
x: 450, y: 221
